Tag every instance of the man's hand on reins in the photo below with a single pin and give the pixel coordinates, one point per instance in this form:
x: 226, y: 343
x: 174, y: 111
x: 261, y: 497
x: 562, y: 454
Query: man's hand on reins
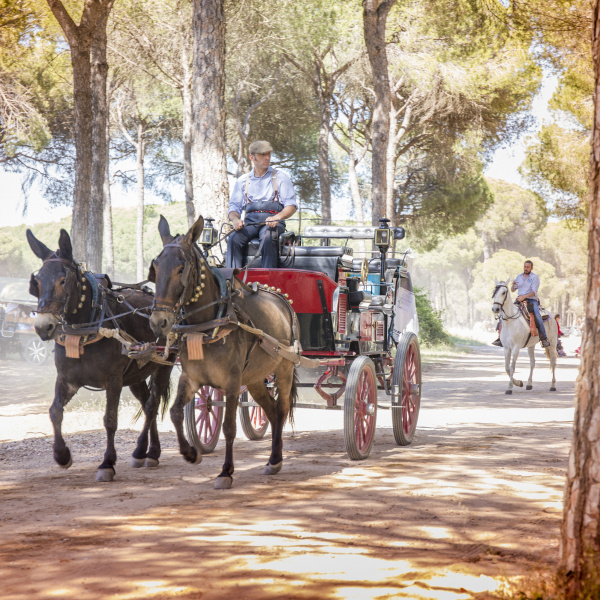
x: 273, y: 221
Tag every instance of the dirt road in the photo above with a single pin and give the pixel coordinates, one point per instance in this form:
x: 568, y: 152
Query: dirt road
x: 474, y: 501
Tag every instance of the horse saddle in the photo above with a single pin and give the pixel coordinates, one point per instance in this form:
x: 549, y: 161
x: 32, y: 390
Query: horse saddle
x: 529, y: 317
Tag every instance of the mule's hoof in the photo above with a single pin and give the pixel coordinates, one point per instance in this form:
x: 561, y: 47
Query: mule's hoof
x: 152, y: 463
x: 137, y: 463
x: 105, y: 475
x: 223, y: 483
x: 273, y: 469
x: 519, y: 383
x: 508, y: 392
x: 552, y: 389
x: 197, y: 458
x: 529, y: 387
x: 68, y: 464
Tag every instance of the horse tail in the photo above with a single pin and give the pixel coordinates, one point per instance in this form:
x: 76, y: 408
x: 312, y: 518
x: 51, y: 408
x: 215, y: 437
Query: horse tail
x: 293, y: 397
x: 165, y: 396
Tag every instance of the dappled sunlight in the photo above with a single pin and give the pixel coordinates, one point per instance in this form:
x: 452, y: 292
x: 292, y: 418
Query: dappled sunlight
x: 477, y: 495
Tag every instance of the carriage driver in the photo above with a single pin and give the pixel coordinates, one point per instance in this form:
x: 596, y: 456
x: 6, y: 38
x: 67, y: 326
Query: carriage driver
x: 267, y: 196
x: 528, y: 284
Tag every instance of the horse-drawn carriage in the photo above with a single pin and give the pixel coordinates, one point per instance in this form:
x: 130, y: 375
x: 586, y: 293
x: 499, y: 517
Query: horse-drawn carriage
x: 357, y: 318
x: 235, y: 332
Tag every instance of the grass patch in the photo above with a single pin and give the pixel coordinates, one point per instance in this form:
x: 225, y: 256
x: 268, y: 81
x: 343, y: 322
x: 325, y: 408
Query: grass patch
x: 431, y: 353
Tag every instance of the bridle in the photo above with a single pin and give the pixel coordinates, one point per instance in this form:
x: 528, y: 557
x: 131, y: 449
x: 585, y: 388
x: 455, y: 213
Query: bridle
x: 73, y: 272
x: 503, y: 316
x: 195, y: 272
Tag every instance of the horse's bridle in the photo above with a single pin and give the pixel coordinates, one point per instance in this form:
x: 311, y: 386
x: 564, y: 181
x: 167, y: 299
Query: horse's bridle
x: 191, y: 278
x: 72, y: 272
x: 501, y: 305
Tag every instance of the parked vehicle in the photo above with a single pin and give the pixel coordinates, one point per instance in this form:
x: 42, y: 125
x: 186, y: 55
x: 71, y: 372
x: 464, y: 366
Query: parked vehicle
x: 17, y: 315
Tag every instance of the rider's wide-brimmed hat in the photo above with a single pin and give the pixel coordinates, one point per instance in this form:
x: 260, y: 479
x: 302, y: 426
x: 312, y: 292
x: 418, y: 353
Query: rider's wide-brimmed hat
x: 260, y: 147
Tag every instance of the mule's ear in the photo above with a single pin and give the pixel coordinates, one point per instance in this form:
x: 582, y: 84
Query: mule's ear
x: 195, y: 230
x: 495, y: 281
x: 165, y: 231
x: 34, y: 288
x: 39, y: 249
x: 151, y: 273
x: 64, y: 245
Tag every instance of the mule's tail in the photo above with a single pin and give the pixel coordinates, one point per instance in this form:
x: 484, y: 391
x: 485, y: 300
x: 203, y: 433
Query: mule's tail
x: 293, y: 397
x: 165, y: 396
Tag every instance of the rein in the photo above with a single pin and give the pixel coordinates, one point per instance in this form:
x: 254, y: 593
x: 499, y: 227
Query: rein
x: 501, y: 305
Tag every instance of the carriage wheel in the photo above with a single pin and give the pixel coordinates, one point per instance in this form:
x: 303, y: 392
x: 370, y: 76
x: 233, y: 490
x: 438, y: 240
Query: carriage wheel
x: 253, y: 419
x: 407, y: 378
x: 203, y: 420
x: 360, y: 408
x: 35, y: 351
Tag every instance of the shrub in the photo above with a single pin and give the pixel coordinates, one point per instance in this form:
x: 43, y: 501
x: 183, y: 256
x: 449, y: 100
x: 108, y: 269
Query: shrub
x: 431, y: 329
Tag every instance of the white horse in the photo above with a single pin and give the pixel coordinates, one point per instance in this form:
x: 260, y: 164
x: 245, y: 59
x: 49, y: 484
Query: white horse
x: 515, y: 334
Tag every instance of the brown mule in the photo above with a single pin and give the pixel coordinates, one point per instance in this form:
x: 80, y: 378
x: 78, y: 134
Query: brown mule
x: 188, y: 290
x: 65, y: 299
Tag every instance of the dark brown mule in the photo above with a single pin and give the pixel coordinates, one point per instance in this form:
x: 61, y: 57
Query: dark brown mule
x: 187, y: 289
x: 65, y: 299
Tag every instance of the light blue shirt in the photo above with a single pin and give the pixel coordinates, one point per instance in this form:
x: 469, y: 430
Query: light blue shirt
x: 260, y: 189
x: 526, y: 284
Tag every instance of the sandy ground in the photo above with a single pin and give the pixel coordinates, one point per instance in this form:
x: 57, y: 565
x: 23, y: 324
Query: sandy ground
x: 474, y: 502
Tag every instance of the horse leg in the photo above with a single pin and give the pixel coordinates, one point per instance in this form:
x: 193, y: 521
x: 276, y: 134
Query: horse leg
x: 185, y: 392
x: 276, y: 413
x: 142, y: 393
x: 531, y: 351
x: 106, y: 471
x: 63, y: 392
x: 284, y: 379
x: 225, y: 479
x: 507, y: 357
x: 552, y: 355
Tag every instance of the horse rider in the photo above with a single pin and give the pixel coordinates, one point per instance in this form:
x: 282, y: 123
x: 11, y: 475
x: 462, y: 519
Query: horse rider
x: 528, y: 284
x: 267, y: 197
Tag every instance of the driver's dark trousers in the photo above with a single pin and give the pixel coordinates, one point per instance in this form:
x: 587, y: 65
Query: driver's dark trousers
x: 238, y: 244
x: 534, y: 307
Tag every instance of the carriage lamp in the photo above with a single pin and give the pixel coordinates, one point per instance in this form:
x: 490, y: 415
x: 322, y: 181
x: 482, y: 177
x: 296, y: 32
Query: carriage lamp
x: 382, y: 236
x: 208, y: 237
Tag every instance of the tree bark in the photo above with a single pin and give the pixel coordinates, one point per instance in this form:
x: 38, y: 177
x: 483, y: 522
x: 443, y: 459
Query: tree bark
x: 580, y: 531
x: 323, y: 154
x: 208, y: 84
x: 99, y: 74
x: 140, y: 150
x: 80, y: 59
x: 80, y: 38
x: 109, y: 251
x: 375, y: 14
x: 188, y: 135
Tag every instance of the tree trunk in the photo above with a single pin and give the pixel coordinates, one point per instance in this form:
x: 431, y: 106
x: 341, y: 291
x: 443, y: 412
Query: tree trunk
x: 324, y: 175
x: 140, y: 147
x: 208, y: 84
x: 80, y: 59
x: 80, y: 38
x: 99, y: 73
x: 580, y: 531
x: 390, y: 168
x: 109, y: 250
x: 375, y: 14
x: 188, y: 134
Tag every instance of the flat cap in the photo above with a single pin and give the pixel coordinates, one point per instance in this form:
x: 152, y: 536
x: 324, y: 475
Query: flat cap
x: 260, y: 147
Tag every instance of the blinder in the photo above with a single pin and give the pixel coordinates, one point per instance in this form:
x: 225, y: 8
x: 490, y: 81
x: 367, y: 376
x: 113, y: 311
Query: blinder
x: 34, y: 288
x: 151, y: 273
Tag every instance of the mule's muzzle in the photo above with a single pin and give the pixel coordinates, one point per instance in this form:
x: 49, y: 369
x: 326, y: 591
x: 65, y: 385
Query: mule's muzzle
x: 46, y: 326
x: 161, y: 322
